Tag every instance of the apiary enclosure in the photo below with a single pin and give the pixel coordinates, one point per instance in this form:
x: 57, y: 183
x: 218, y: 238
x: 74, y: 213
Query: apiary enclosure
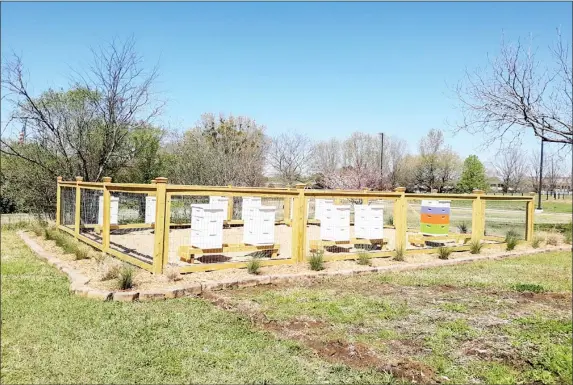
x: 202, y: 228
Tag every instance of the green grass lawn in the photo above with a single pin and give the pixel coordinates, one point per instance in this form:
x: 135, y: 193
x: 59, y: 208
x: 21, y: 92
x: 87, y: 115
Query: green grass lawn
x: 49, y: 336
x: 496, y: 322
x: 459, y: 324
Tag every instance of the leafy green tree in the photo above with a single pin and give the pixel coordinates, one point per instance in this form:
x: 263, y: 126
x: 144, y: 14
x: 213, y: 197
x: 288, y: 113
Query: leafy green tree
x: 473, y: 176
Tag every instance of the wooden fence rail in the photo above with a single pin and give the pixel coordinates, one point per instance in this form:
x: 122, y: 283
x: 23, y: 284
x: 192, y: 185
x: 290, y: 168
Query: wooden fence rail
x: 294, y: 209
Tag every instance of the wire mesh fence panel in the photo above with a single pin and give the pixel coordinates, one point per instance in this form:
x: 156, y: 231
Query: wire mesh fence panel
x: 208, y: 238
x: 91, y: 214
x: 68, y: 206
x: 346, y: 226
x: 461, y: 216
x: 503, y: 216
x: 131, y: 224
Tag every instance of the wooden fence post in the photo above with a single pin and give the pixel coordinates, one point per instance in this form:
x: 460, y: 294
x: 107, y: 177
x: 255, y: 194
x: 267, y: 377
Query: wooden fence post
x: 230, y: 204
x: 58, y: 202
x: 529, y: 212
x: 79, y: 179
x: 299, y: 225
x: 365, y: 200
x: 336, y: 199
x: 106, y: 228
x: 401, y: 219
x: 158, y: 249
x: 478, y: 216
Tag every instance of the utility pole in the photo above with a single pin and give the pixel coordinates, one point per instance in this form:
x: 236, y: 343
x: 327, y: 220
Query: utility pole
x: 381, y: 159
x: 539, y: 208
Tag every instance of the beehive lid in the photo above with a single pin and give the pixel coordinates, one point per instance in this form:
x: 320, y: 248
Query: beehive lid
x: 207, y: 207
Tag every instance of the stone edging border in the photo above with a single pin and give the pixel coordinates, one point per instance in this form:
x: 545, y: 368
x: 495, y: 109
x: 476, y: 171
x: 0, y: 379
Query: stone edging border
x: 78, y: 282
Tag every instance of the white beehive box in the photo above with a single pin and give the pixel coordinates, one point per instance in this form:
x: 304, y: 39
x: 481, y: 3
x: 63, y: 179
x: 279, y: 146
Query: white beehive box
x: 150, y: 208
x: 320, y: 205
x: 206, y: 226
x: 368, y: 221
x: 249, y: 202
x: 259, y: 226
x: 335, y: 223
x: 113, y: 208
x: 222, y: 202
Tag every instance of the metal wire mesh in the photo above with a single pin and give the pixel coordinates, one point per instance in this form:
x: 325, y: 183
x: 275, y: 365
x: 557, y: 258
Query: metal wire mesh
x: 68, y: 206
x: 89, y: 212
x: 130, y: 234
x: 202, y: 224
x: 344, y: 231
x: 503, y: 216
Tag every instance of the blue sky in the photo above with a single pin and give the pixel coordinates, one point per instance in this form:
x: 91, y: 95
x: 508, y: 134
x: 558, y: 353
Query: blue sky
x: 326, y: 69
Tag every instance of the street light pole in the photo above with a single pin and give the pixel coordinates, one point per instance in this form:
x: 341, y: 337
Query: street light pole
x: 381, y: 158
x: 540, y: 176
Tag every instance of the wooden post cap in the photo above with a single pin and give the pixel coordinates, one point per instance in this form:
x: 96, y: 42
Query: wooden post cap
x: 400, y: 189
x: 300, y: 185
x: 106, y: 179
x: 59, y: 179
x: 477, y: 191
x: 79, y: 178
x: 533, y: 193
x: 160, y: 180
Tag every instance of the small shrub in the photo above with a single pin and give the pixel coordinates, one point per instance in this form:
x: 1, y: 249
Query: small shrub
x: 38, y: 228
x: 364, y: 259
x: 444, y: 252
x: 511, y: 240
x: 254, y: 266
x: 399, y: 254
x: 172, y: 274
x: 536, y: 241
x: 83, y: 252
x: 463, y: 228
x: 125, y: 278
x: 567, y: 238
x: 111, y: 272
x: 99, y: 257
x: 511, y: 234
x: 475, y: 247
x: 316, y: 260
x: 50, y: 233
x: 552, y: 239
x: 529, y: 287
x: 390, y: 220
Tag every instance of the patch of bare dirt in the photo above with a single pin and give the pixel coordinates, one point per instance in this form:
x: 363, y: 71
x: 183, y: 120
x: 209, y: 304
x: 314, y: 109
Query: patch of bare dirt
x: 355, y: 355
x: 409, y: 370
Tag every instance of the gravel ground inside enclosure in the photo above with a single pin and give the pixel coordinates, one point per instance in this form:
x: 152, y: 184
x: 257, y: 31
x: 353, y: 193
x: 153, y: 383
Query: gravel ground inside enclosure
x: 97, y: 269
x: 142, y: 241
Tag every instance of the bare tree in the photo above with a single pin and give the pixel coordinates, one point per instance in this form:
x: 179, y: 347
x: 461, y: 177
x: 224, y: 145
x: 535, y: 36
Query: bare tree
x: 510, y: 166
x: 220, y: 151
x: 359, y: 164
x: 290, y: 156
x: 517, y: 94
x: 84, y: 131
x: 552, y: 171
x: 326, y: 156
x: 395, y: 165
